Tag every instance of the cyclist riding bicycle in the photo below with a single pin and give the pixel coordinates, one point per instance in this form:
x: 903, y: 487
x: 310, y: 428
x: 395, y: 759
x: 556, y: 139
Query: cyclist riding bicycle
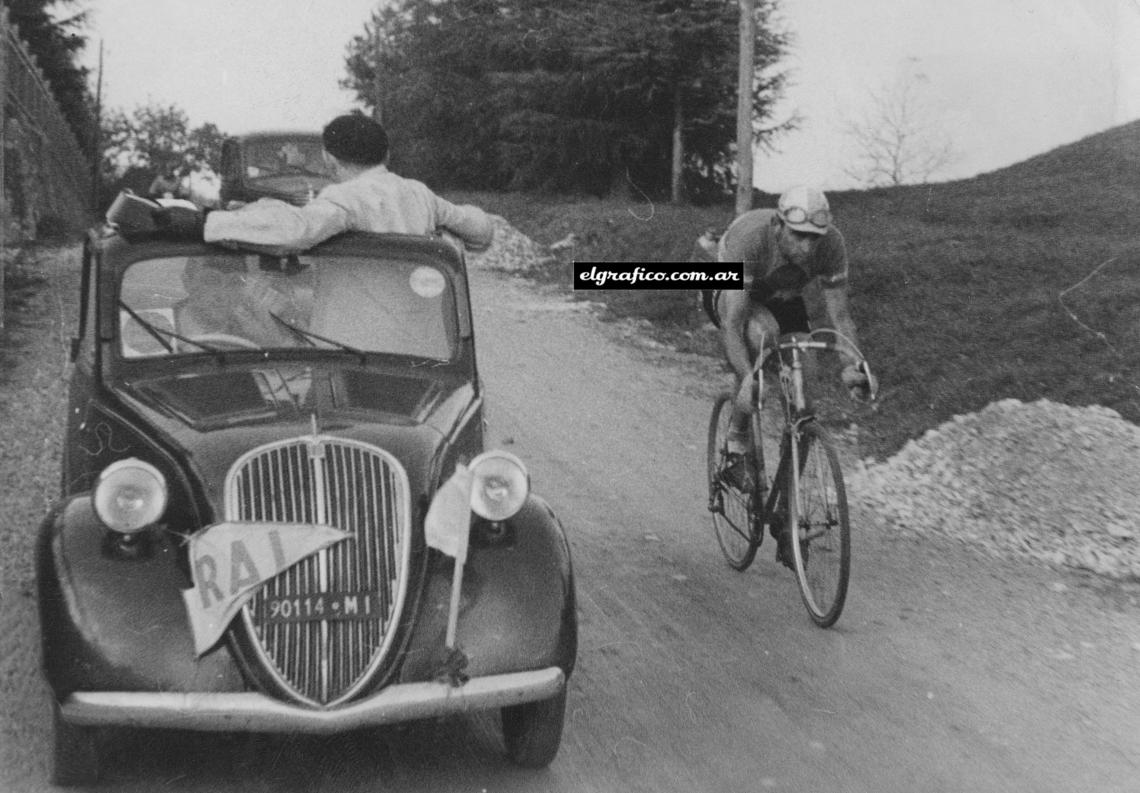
x: 783, y: 250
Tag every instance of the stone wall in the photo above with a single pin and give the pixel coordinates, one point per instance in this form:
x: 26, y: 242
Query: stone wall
x: 45, y: 182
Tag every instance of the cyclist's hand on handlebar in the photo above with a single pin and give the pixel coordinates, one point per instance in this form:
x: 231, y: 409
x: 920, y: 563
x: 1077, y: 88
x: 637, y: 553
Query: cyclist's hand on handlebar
x: 859, y: 381
x: 853, y: 377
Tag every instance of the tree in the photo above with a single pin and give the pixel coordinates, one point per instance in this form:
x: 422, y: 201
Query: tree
x: 158, y: 138
x: 204, y: 148
x: 678, y: 58
x: 571, y: 95
x: 55, y: 41
x: 154, y: 139
x: 900, y: 139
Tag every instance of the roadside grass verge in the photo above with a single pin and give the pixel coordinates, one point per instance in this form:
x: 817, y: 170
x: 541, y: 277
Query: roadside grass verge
x: 1023, y: 283
x: 21, y: 285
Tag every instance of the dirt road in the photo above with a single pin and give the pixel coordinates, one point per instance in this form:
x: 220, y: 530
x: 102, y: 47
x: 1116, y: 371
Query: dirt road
x: 948, y: 671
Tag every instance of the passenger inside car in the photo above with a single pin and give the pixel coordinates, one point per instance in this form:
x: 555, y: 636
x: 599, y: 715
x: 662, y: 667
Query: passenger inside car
x: 222, y: 298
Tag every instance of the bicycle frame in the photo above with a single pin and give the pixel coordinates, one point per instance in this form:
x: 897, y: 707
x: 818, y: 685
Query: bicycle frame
x: 809, y: 517
x: 788, y: 353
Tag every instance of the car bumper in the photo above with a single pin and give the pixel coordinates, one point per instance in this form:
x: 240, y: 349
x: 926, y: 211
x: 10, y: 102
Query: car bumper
x: 254, y: 712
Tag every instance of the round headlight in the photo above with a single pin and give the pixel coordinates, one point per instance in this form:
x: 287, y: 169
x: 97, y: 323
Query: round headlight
x: 130, y: 495
x: 500, y: 485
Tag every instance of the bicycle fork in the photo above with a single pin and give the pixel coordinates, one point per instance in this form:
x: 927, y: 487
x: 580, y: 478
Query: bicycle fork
x: 790, y: 466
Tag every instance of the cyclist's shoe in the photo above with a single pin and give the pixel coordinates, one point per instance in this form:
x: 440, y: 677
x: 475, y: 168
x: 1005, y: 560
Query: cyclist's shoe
x: 777, y: 520
x: 784, y: 551
x: 739, y: 472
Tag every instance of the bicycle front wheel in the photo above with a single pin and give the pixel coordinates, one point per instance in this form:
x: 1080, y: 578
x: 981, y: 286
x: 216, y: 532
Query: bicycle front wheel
x: 818, y: 519
x: 732, y: 509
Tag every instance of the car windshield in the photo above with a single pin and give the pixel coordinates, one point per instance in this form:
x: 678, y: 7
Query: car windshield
x: 266, y: 158
x: 233, y: 301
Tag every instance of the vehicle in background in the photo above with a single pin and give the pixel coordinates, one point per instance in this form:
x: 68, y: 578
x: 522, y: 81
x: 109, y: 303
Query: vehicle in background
x: 289, y: 166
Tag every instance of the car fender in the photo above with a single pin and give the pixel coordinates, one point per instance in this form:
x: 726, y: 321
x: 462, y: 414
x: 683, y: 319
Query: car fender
x: 517, y: 608
x: 113, y: 621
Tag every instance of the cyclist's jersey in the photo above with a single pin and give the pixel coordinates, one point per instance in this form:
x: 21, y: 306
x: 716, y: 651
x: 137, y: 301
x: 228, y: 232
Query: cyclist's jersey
x: 768, y: 275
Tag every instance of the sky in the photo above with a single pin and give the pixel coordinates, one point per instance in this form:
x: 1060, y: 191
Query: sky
x: 1005, y: 79
x: 243, y: 65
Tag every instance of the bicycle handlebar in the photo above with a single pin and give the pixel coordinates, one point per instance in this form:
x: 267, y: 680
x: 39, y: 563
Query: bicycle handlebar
x: 805, y: 341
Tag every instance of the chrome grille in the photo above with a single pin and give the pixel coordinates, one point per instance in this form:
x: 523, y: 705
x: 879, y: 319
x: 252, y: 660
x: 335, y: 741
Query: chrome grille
x: 356, y: 488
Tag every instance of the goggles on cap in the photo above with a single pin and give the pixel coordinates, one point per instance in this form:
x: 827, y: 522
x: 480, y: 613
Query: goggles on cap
x: 821, y: 218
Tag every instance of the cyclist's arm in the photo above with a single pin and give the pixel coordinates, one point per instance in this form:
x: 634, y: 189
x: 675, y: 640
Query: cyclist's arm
x: 734, y: 323
x: 838, y: 310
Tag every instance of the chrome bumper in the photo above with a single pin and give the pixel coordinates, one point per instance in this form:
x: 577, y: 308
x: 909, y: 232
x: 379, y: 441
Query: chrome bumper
x: 254, y: 712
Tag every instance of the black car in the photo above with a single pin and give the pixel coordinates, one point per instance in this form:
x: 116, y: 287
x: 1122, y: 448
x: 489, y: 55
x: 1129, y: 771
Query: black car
x: 289, y: 166
x: 278, y: 514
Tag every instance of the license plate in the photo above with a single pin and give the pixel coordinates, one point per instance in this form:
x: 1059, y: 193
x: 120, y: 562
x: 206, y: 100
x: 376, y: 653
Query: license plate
x: 321, y: 606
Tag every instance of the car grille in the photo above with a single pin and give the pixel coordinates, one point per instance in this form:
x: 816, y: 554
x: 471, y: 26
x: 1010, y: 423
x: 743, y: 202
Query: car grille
x: 356, y: 488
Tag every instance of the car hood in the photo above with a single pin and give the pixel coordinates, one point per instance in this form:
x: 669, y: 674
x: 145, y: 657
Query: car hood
x: 210, y: 418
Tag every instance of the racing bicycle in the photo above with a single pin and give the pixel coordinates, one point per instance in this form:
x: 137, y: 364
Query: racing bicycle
x: 794, y: 483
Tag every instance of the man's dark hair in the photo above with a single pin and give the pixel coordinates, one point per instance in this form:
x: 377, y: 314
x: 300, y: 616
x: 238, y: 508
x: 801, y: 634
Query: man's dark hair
x: 356, y: 139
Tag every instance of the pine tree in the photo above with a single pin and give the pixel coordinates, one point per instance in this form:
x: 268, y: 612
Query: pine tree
x: 567, y: 95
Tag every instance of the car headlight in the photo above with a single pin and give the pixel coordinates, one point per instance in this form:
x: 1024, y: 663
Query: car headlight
x: 499, y: 486
x: 130, y: 495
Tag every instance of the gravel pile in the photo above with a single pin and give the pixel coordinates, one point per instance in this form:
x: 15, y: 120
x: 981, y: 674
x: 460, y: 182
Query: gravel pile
x: 511, y: 250
x: 1044, y: 480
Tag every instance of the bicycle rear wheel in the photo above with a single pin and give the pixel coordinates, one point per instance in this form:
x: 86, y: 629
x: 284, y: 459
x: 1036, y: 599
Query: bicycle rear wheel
x: 734, y: 511
x: 817, y: 516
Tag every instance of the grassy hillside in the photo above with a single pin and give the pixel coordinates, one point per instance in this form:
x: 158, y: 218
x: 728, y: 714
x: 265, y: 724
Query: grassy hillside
x: 1021, y: 283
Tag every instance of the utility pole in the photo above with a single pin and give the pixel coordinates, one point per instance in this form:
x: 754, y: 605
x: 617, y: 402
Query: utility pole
x: 97, y: 153
x: 4, y: 78
x: 744, y: 106
x: 377, y: 83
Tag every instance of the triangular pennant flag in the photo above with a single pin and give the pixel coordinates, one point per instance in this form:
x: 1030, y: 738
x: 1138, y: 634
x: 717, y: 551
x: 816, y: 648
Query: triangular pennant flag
x: 447, y: 525
x: 230, y: 561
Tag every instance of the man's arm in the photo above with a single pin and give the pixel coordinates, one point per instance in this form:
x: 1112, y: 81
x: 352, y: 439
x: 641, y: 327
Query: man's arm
x: 470, y: 223
x: 274, y: 223
x: 733, y: 327
x: 838, y: 310
x: 833, y: 270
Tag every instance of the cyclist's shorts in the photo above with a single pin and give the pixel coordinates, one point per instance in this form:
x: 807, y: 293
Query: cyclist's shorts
x: 791, y: 315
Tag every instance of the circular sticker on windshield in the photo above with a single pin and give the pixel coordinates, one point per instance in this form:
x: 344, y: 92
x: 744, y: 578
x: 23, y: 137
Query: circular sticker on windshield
x: 427, y: 282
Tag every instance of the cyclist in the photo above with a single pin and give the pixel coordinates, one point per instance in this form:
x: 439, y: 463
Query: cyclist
x: 783, y: 250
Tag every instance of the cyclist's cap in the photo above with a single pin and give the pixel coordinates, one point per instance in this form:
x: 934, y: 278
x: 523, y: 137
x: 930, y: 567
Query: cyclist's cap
x: 805, y: 208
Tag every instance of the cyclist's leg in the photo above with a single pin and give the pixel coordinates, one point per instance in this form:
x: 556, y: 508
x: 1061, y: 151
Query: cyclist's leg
x: 792, y: 316
x: 760, y: 332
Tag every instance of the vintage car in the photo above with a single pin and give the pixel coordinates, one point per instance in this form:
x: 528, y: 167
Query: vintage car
x: 288, y: 166
x: 277, y: 514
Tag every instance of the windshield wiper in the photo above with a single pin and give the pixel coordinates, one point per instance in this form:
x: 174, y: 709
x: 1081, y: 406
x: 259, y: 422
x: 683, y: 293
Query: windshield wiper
x: 162, y: 334
x: 149, y: 328
x: 309, y: 337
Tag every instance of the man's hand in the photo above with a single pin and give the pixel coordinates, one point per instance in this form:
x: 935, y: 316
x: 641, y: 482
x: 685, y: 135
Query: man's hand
x: 181, y: 222
x: 859, y: 381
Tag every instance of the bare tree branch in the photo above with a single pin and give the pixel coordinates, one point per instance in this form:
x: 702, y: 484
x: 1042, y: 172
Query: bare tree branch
x: 900, y: 140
